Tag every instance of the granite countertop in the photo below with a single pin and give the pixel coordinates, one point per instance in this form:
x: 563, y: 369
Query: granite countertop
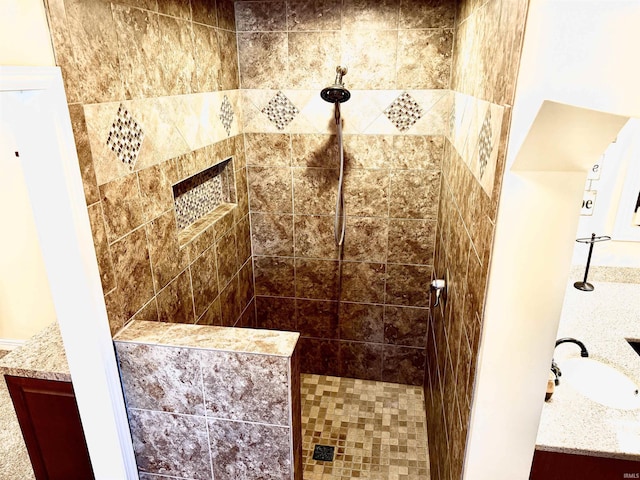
x: 232, y: 339
x: 602, y: 320
x: 42, y: 356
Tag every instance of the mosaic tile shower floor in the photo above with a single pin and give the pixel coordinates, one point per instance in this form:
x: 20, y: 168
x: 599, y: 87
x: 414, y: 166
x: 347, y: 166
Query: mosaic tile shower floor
x: 378, y: 429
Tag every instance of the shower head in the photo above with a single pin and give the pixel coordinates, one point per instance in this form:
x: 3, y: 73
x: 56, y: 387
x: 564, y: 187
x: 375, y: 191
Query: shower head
x: 336, y: 93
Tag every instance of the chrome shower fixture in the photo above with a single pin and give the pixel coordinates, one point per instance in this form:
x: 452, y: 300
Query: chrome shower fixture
x: 336, y: 93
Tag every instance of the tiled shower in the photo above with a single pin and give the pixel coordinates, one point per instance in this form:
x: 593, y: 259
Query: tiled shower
x: 163, y: 92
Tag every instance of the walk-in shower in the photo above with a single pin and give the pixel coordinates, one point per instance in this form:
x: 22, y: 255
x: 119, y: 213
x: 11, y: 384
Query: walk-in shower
x: 337, y: 94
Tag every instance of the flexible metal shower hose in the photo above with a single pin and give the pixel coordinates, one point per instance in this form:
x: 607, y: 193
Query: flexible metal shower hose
x: 339, y: 223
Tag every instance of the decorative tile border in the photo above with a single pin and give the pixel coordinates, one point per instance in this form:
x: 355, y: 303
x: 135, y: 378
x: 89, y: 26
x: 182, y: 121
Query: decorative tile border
x: 173, y: 126
x: 226, y: 114
x: 125, y: 137
x: 404, y: 112
x: 280, y: 110
x: 474, y: 131
x: 375, y: 112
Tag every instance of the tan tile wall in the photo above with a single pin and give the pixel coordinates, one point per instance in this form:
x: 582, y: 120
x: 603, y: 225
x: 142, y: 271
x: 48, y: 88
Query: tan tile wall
x: 171, y: 65
x: 365, y: 317
x: 488, y: 42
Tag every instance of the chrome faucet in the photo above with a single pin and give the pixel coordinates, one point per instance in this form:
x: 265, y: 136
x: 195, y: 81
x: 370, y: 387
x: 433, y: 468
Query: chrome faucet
x: 554, y: 366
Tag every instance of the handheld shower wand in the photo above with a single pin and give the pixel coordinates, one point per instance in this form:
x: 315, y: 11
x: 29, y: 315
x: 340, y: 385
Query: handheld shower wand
x: 337, y: 94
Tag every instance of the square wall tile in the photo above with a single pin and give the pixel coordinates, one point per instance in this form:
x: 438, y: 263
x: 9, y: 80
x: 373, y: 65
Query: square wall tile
x: 270, y: 189
x: 274, y: 276
x: 238, y: 451
x: 263, y: 60
x: 276, y: 313
x: 363, y: 282
x: 161, y: 378
x: 272, y: 234
x: 317, y: 318
x: 170, y: 444
x: 361, y: 322
x: 246, y: 387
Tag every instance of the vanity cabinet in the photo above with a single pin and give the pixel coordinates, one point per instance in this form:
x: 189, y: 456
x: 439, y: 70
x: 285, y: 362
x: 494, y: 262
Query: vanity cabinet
x: 566, y: 466
x: 48, y: 416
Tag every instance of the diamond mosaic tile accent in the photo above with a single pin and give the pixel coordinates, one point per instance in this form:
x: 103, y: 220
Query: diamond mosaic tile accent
x: 378, y: 429
x: 125, y: 137
x: 280, y: 110
x: 200, y: 194
x: 485, y: 146
x: 226, y: 114
x: 404, y: 112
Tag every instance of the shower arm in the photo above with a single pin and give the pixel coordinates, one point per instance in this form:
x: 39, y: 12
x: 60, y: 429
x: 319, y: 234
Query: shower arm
x: 340, y: 71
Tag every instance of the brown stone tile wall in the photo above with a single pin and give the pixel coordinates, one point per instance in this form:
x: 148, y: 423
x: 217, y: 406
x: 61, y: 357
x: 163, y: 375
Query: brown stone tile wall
x: 488, y: 42
x: 364, y: 316
x: 164, y: 61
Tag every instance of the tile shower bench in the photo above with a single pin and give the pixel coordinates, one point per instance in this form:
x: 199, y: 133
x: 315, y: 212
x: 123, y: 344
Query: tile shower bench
x: 212, y: 402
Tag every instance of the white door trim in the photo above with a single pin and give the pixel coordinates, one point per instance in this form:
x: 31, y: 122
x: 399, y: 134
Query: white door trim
x: 34, y: 97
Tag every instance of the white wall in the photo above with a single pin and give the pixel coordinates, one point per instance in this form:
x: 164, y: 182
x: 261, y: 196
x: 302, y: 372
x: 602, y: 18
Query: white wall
x: 577, y: 53
x: 25, y: 300
x: 621, y: 165
x: 24, y: 34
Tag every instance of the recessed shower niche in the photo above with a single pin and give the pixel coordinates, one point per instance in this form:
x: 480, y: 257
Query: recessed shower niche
x: 204, y: 198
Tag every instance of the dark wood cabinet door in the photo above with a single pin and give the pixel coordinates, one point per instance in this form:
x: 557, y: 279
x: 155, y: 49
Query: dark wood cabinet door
x: 566, y: 466
x: 50, y: 423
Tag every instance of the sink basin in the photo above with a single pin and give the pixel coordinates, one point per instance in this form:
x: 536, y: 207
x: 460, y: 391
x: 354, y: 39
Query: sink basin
x: 601, y: 383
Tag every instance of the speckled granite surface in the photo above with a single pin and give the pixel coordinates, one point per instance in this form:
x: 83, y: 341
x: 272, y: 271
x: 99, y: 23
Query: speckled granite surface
x: 42, y: 356
x: 602, y: 320
x: 241, y: 340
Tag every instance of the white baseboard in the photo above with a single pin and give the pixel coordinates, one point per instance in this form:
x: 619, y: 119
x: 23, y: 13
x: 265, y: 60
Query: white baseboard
x: 9, y: 344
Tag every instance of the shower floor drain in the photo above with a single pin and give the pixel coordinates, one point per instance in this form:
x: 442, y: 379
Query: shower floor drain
x: 323, y: 453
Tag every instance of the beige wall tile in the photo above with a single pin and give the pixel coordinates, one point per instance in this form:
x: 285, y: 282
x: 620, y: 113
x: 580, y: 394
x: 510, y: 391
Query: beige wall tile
x: 270, y: 189
x: 263, y: 60
x: 274, y: 276
x: 176, y: 8
x: 177, y: 60
x: 370, y: 68
x: 366, y: 239
x: 313, y: 57
x: 314, y: 237
x: 94, y: 43
x: 132, y: 271
x: 175, y: 301
x: 314, y: 15
x: 424, y: 58
x: 122, y: 206
x: 363, y: 282
x: 264, y: 149
x: 370, y: 14
x: 427, y: 14
x: 167, y: 258
x: 260, y: 16
x: 83, y: 148
x: 139, y: 47
x: 272, y: 234
x: 208, y: 58
x: 101, y: 244
x: 315, y: 190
